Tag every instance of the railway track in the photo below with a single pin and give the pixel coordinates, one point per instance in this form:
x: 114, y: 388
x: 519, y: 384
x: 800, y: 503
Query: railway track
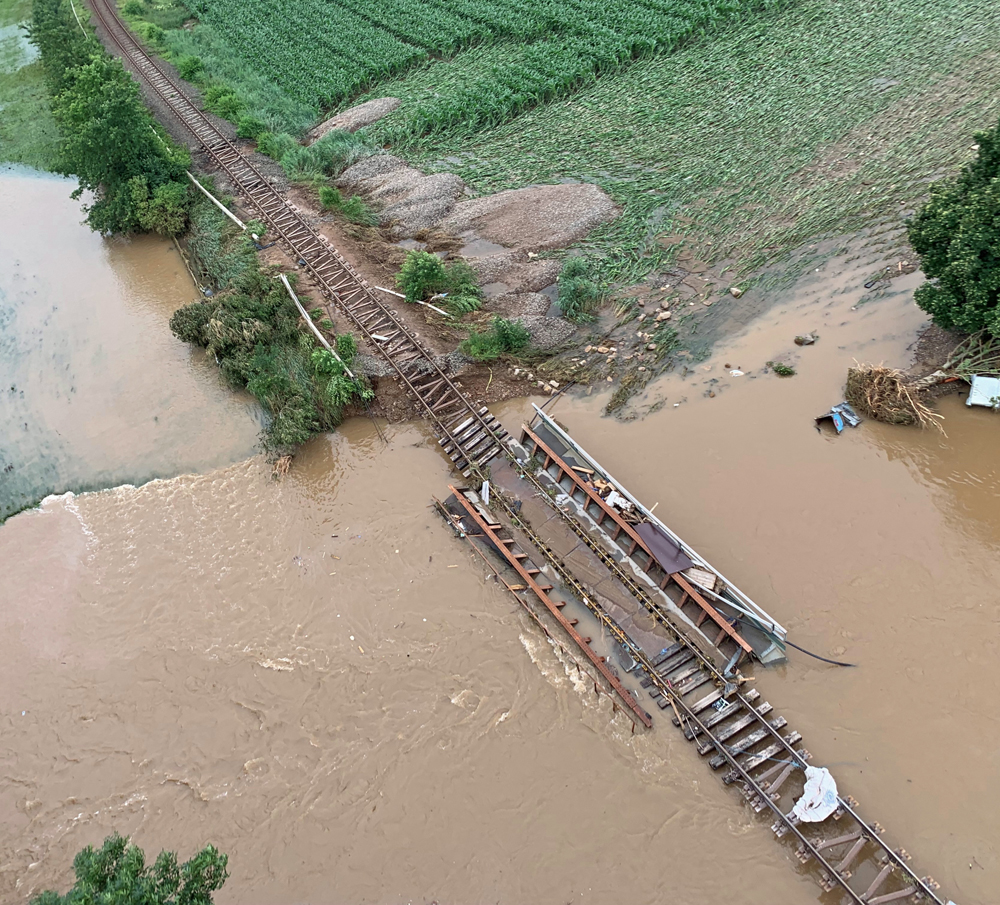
x: 729, y: 726
x: 469, y: 434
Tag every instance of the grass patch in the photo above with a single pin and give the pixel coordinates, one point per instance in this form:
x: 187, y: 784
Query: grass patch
x: 28, y: 132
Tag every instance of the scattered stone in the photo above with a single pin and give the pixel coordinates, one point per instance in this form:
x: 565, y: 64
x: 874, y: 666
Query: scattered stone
x: 708, y: 302
x: 663, y: 316
x: 589, y: 349
x: 806, y: 340
x: 610, y: 379
x: 735, y: 292
x: 603, y: 350
x: 642, y: 317
x: 651, y: 347
x: 642, y: 368
x: 641, y: 303
x: 554, y: 383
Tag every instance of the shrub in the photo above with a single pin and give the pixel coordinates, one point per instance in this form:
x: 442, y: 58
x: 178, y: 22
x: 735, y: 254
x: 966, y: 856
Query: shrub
x: 151, y: 34
x: 164, y: 210
x: 250, y: 127
x: 189, y: 67
x: 957, y: 234
x: 355, y: 210
x: 424, y: 274
x: 275, y: 144
x: 347, y: 348
x: 222, y: 101
x: 330, y: 197
x: 503, y: 337
x: 117, y: 874
x: 188, y: 323
x: 421, y: 275
x: 134, y: 8
x: 578, y: 293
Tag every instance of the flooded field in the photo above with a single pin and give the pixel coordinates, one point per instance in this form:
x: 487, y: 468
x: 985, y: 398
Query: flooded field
x: 316, y: 677
x: 95, y: 389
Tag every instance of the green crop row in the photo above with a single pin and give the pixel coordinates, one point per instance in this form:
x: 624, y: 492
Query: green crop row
x: 326, y: 52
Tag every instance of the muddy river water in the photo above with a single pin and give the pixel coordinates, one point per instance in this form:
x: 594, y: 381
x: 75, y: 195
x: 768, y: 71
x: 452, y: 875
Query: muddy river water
x: 316, y: 677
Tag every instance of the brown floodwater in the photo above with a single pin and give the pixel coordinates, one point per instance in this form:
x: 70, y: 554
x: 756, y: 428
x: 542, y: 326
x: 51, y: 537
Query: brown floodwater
x: 316, y: 676
x: 94, y: 391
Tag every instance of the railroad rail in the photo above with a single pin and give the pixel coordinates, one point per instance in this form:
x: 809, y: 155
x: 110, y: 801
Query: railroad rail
x: 470, y: 435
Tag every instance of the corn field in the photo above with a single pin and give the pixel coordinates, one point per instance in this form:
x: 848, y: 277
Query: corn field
x: 326, y: 52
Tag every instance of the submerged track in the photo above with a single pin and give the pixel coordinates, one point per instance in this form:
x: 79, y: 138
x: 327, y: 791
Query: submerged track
x: 726, y: 722
x: 469, y: 434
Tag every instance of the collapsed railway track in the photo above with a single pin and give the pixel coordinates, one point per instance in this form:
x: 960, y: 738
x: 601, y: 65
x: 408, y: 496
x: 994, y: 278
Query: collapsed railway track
x: 728, y: 724
x: 469, y: 434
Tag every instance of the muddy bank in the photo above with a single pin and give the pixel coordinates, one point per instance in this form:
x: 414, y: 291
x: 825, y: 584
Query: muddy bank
x: 96, y: 390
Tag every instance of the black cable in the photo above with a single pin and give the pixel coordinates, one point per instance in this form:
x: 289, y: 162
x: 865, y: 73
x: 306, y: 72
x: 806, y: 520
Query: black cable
x: 802, y: 649
x: 817, y: 656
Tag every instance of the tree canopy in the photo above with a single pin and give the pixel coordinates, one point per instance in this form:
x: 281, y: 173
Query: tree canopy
x: 117, y: 874
x: 957, y: 234
x: 109, y: 140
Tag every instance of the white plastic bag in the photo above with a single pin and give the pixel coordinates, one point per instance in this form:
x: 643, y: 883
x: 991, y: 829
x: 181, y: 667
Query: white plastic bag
x: 819, y: 797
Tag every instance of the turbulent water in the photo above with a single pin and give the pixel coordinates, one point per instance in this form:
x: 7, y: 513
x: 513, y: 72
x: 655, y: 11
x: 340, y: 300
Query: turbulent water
x: 315, y: 675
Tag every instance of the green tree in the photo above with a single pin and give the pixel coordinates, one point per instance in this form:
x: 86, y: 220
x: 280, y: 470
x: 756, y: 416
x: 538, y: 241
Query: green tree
x: 117, y: 874
x: 108, y: 138
x: 957, y: 234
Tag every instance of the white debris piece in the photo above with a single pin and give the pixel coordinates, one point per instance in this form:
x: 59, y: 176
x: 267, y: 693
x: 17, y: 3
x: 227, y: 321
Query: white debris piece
x: 985, y: 391
x: 618, y: 501
x: 819, y: 797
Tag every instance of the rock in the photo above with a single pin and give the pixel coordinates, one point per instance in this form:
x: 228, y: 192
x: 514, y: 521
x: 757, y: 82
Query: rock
x: 651, y: 347
x: 642, y: 317
x: 589, y: 349
x: 642, y: 368
x: 735, y: 292
x: 603, y: 350
x: 708, y: 302
x: 353, y: 119
x: 663, y: 316
x: 806, y: 340
x: 641, y: 303
x: 554, y: 384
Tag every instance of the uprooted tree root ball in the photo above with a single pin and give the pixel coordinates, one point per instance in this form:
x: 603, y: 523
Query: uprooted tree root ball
x: 883, y: 394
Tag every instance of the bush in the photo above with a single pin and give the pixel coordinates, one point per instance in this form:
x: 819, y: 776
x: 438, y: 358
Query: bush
x: 275, y: 144
x: 222, y: 101
x: 189, y: 67
x: 330, y: 197
x: 152, y: 35
x: 250, y: 127
x: 503, y: 337
x: 421, y: 276
x: 578, y: 293
x: 117, y: 874
x: 424, y: 274
x: 957, y: 234
x: 134, y: 8
x: 164, y: 210
x: 355, y: 210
